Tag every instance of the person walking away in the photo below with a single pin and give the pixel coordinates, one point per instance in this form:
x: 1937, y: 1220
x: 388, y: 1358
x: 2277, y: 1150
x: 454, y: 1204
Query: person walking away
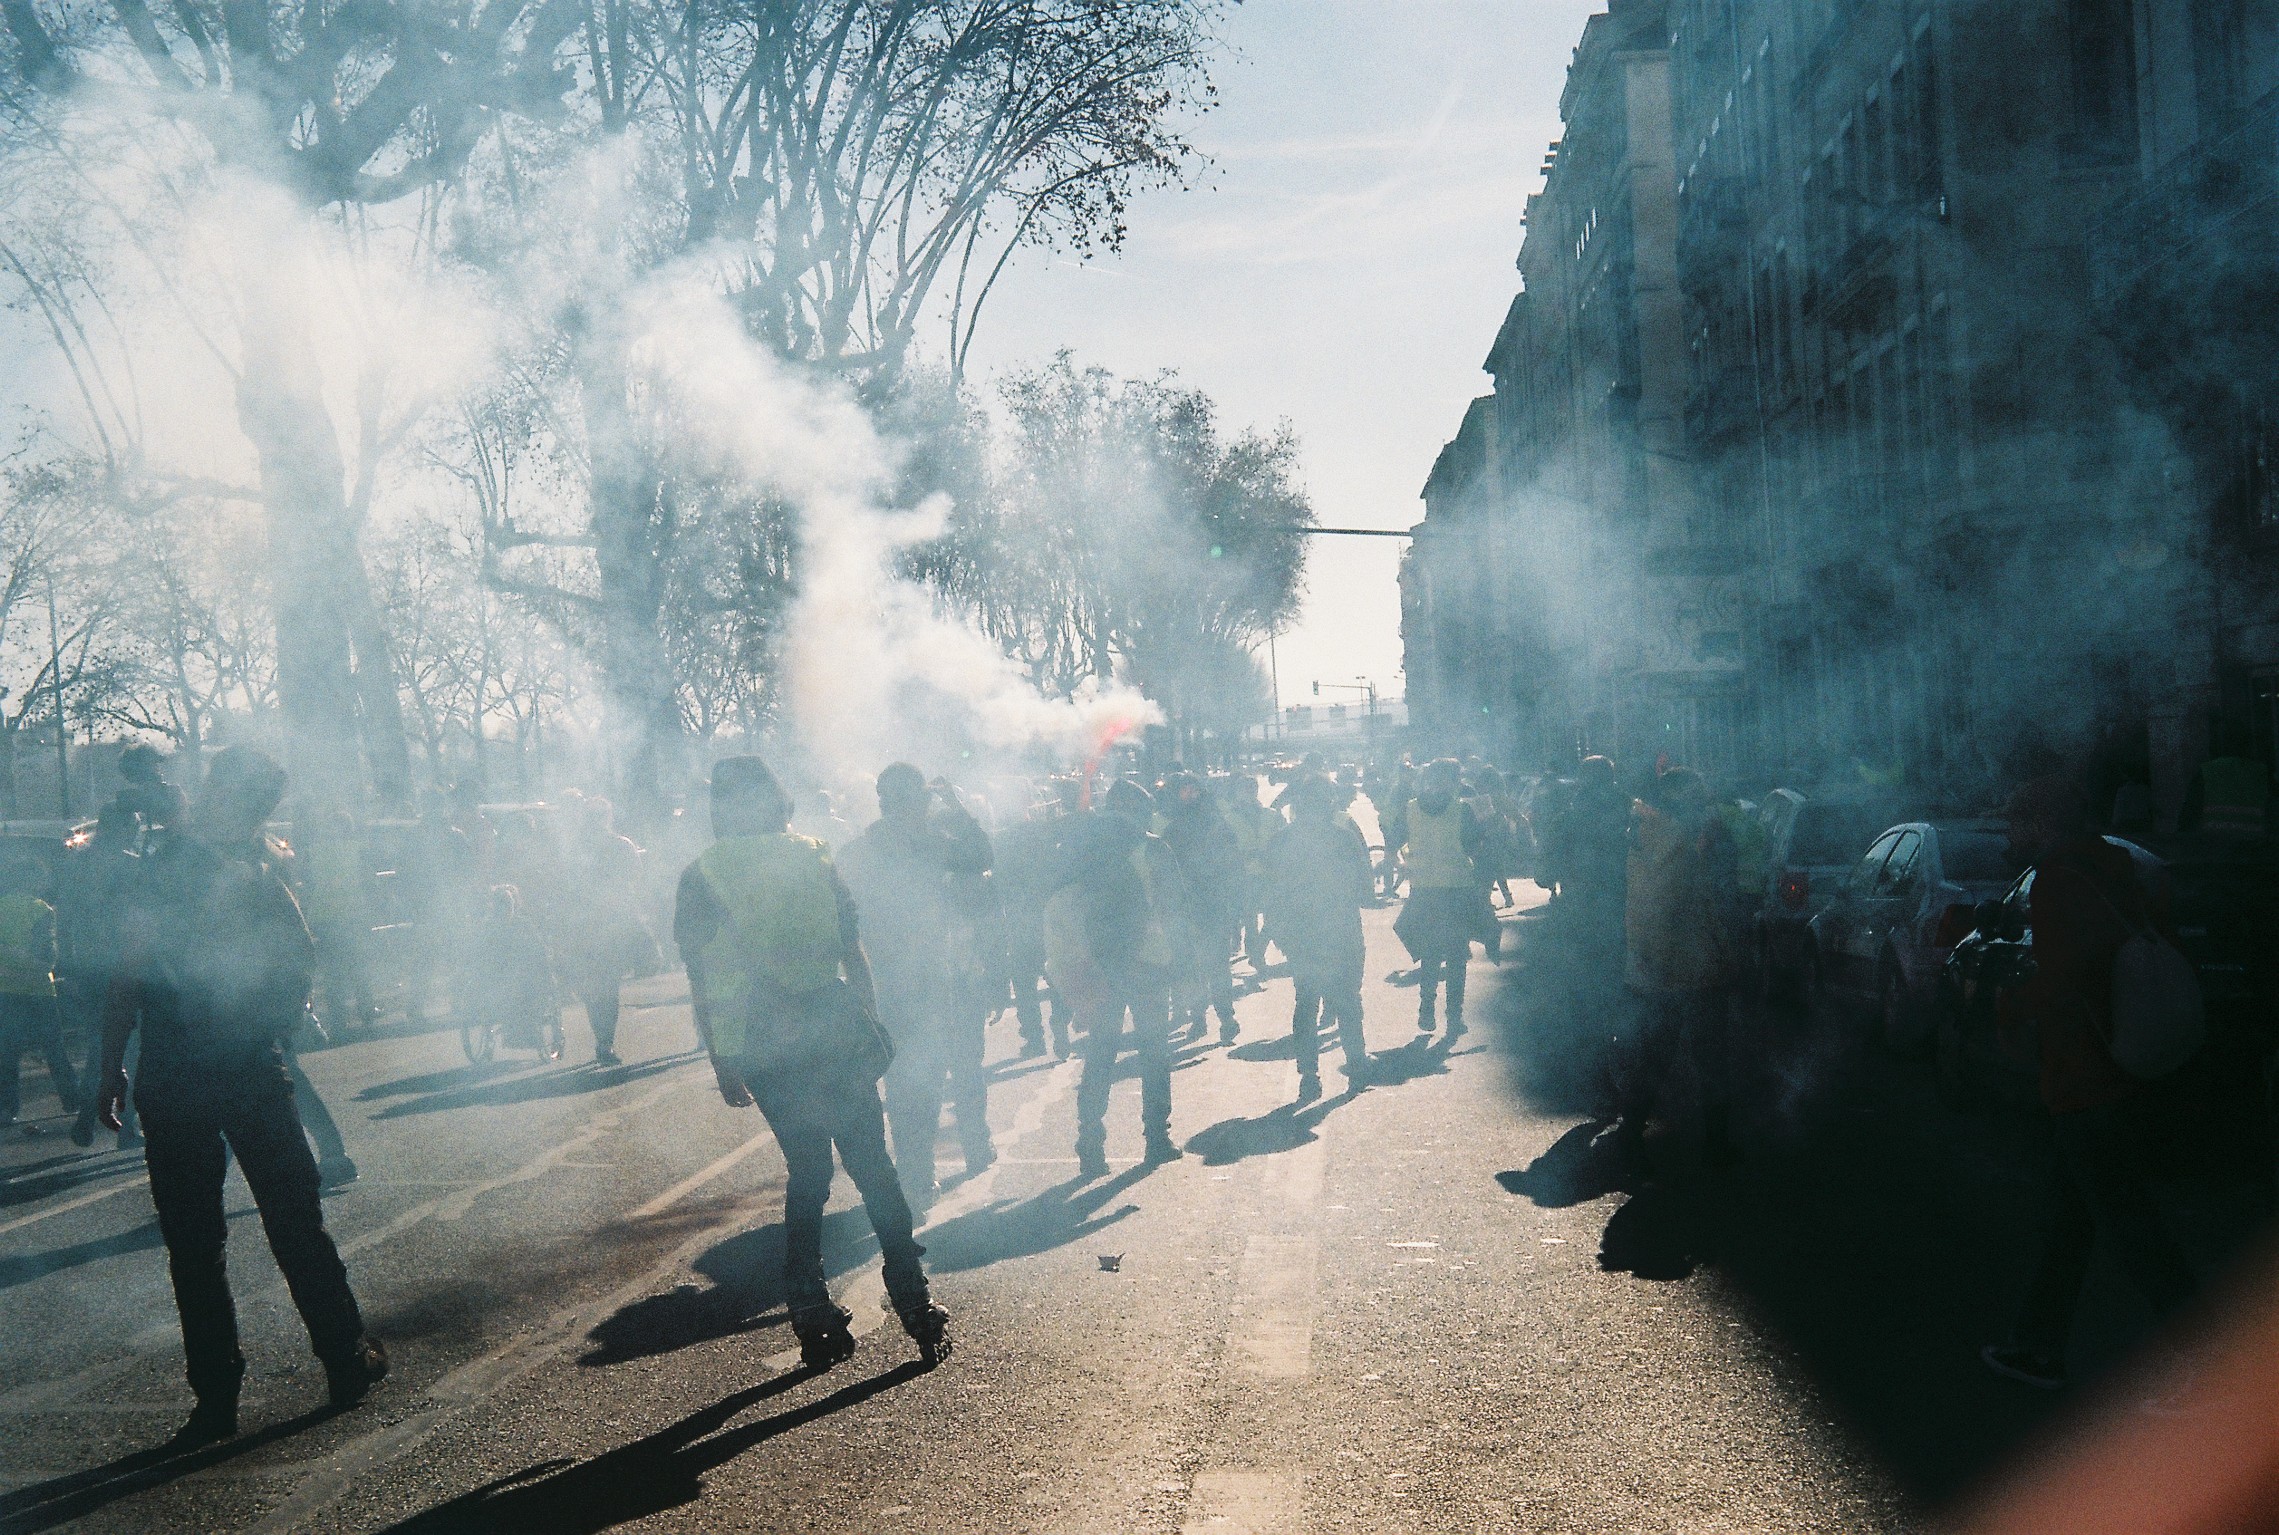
x: 1393, y: 828
x: 1252, y: 824
x: 89, y: 888
x: 514, y: 991
x: 336, y: 896
x: 1498, y: 811
x: 1441, y: 844
x: 1210, y: 867
x: 602, y: 939
x: 1111, y: 942
x: 1023, y: 876
x: 784, y: 1003
x: 1593, y: 843
x: 29, y: 1019
x: 1318, y: 879
x: 900, y: 870
x: 216, y: 968
x: 2086, y: 900
x: 1684, y: 956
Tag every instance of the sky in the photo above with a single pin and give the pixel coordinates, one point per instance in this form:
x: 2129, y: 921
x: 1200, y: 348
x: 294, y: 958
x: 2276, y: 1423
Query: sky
x: 1343, y: 264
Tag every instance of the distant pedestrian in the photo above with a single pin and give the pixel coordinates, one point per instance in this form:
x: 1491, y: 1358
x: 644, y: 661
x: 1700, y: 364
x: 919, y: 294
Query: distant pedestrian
x: 91, y: 889
x: 215, y: 973
x: 1211, y: 868
x: 29, y: 1019
x: 2086, y: 901
x: 783, y: 1000
x: 1317, y: 880
x: 1442, y: 844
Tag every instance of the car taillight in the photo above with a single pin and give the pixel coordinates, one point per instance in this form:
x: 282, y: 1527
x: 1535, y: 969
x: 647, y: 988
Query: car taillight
x: 1955, y: 924
x: 1795, y: 888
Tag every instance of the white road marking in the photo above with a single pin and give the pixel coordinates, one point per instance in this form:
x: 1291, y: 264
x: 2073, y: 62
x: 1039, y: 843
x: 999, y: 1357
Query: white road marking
x: 1245, y: 1503
x: 1272, y: 1330
x: 68, y: 1205
x: 697, y: 1180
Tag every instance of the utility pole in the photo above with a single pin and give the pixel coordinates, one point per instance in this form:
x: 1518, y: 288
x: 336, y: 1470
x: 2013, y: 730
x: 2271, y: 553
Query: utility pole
x: 55, y: 667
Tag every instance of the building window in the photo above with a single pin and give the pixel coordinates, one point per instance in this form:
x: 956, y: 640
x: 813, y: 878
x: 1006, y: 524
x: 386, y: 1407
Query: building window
x: 2101, y: 43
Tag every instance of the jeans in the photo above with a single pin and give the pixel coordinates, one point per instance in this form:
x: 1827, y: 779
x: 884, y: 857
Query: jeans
x: 810, y: 1115
x: 937, y: 1062
x: 33, y: 1023
x: 2095, y: 1182
x: 1148, y: 1002
x: 1323, y: 997
x: 189, y: 1135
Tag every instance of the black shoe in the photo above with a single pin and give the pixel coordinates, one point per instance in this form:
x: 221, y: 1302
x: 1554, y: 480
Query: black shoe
x: 2024, y: 1365
x: 1031, y: 1049
x: 824, y: 1336
x: 1309, y: 1086
x: 83, y: 1133
x: 130, y: 1140
x: 213, y: 1420
x: 350, y: 1380
x: 336, y: 1172
x: 607, y: 1058
x: 1229, y: 1034
x: 929, y: 1327
x: 1161, y: 1149
x: 1091, y: 1165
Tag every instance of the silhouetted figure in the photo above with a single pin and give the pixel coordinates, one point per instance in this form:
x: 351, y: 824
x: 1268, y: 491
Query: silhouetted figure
x: 903, y: 871
x: 783, y: 999
x: 1025, y: 853
x: 1317, y: 880
x: 1442, y: 843
x: 1210, y: 867
x: 215, y: 972
x: 29, y: 1019
x: 1113, y: 940
x: 91, y: 888
x: 2085, y: 903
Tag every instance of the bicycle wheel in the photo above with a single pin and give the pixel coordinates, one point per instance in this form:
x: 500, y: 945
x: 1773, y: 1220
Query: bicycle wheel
x: 550, y: 1040
x: 479, y: 1042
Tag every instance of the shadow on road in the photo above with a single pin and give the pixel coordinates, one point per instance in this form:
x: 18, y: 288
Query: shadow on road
x: 1283, y: 1129
x: 61, y: 1174
x: 555, y: 1082
x: 1879, y: 1235
x: 30, y: 1266
x: 1064, y: 1213
x: 745, y: 1293
x: 662, y: 1471
x: 44, y: 1505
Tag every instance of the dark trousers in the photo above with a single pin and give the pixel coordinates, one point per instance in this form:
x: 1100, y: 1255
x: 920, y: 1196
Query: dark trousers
x: 313, y: 1114
x: 1324, y: 999
x: 1695, y: 1022
x: 2095, y: 1182
x: 188, y: 1140
x: 1025, y: 955
x: 1149, y: 1005
x: 936, y: 1063
x: 33, y: 1023
x: 810, y: 1114
x: 344, y: 978
x: 1446, y: 967
x: 597, y: 990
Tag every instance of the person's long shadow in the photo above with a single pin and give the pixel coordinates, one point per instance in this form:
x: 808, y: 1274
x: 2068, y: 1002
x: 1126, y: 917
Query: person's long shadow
x: 75, y: 1495
x: 1278, y: 1130
x: 57, y: 1175
x: 1577, y: 1167
x: 30, y: 1266
x: 744, y: 1294
x: 652, y: 1475
x: 1065, y: 1213
x: 557, y: 1082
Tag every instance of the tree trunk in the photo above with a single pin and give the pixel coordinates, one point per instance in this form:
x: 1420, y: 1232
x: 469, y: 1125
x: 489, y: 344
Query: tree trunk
x: 316, y: 572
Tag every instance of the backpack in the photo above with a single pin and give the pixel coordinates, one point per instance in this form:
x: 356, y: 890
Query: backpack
x: 2160, y: 1019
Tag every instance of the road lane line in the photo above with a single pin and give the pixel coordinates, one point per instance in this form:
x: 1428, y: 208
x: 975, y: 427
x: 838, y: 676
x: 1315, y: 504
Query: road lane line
x: 697, y: 1180
x: 68, y: 1205
x: 1245, y: 1503
x: 1272, y: 1331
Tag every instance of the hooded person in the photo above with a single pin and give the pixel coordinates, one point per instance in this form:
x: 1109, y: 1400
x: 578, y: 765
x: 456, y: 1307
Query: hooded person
x: 911, y: 872
x: 1112, y: 941
x: 1317, y: 880
x: 781, y: 988
x: 1442, y: 844
x: 215, y: 970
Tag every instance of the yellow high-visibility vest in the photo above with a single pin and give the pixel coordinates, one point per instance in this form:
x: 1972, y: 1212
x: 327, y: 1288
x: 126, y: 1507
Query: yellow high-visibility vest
x: 27, y: 946
x: 1436, y: 858
x: 783, y: 925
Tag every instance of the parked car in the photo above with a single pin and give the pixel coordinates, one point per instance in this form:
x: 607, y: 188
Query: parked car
x: 1886, y: 930
x: 1811, y: 843
x: 2224, y: 909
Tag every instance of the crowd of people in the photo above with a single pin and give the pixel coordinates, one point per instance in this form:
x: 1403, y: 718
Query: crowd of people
x: 842, y: 980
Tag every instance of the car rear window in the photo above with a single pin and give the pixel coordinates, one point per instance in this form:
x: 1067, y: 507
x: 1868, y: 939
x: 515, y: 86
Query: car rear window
x: 1975, y: 857
x: 1831, y: 834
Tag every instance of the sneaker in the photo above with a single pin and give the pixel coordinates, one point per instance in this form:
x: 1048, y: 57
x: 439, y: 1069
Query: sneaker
x: 929, y: 1327
x: 213, y: 1420
x: 824, y: 1334
x: 607, y: 1058
x: 1309, y: 1086
x: 336, y: 1172
x: 2024, y: 1366
x: 350, y: 1380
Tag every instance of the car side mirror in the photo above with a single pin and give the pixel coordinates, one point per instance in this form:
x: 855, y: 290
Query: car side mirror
x: 1991, y: 919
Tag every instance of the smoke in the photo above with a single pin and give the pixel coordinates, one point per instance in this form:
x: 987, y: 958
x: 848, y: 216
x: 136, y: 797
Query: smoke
x: 873, y: 666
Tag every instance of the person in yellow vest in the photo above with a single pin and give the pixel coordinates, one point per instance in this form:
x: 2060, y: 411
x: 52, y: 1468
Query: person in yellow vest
x: 783, y: 1001
x: 2230, y: 796
x: 29, y: 1019
x: 1113, y: 938
x: 1442, y: 842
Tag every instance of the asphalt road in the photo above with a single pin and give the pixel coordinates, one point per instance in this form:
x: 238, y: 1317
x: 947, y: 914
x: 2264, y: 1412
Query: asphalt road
x: 1423, y: 1307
